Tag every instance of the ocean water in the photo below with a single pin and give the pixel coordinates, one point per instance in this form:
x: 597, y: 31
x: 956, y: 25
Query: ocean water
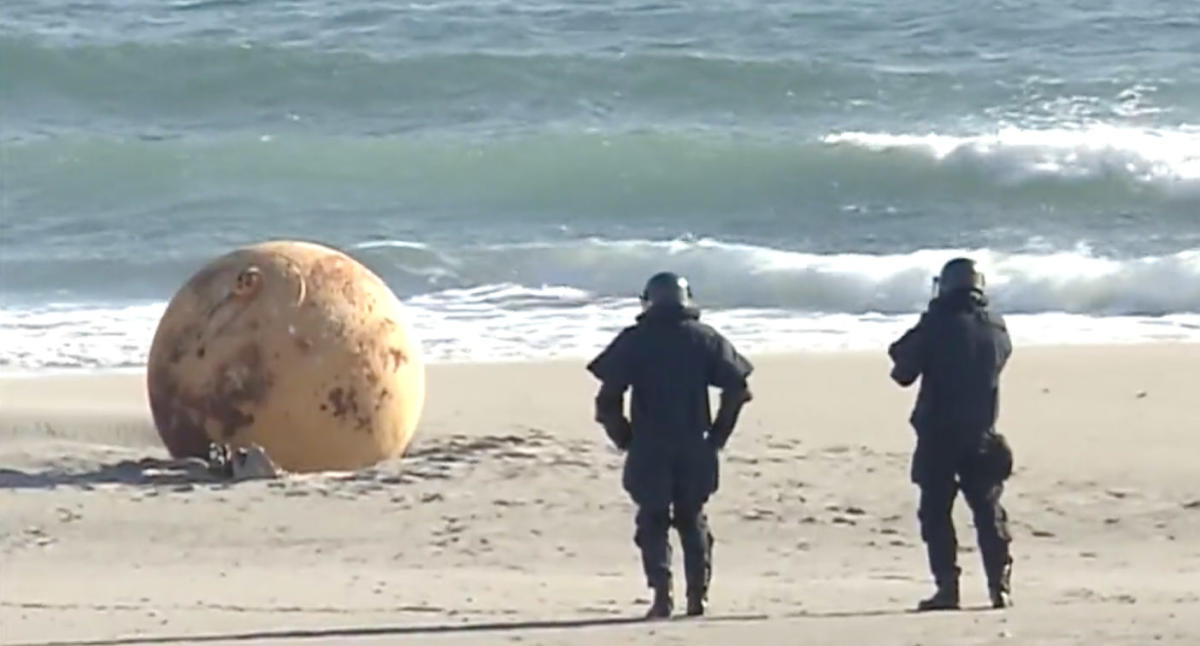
x: 515, y: 170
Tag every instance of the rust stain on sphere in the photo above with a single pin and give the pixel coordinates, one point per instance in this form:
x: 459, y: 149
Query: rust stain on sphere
x: 293, y: 346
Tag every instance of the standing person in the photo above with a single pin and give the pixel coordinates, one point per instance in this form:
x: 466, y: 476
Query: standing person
x: 670, y: 359
x: 958, y: 350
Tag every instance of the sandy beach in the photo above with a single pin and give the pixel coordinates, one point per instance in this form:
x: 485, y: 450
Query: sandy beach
x: 506, y: 522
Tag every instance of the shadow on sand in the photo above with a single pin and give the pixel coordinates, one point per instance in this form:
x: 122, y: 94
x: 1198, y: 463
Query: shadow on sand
x: 883, y: 612
x: 146, y: 471
x: 386, y: 631
x: 353, y: 632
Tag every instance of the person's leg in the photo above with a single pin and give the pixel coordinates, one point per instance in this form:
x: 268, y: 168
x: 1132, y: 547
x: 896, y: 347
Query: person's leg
x: 941, y: 542
x: 653, y: 525
x: 982, y: 494
x: 694, y: 482
x: 648, y: 480
x: 697, y: 541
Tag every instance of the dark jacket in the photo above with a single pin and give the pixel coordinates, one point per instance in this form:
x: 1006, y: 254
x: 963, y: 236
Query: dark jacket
x: 958, y: 350
x: 669, y: 359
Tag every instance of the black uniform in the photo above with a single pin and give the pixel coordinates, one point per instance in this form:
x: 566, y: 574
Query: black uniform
x: 958, y: 349
x: 670, y: 359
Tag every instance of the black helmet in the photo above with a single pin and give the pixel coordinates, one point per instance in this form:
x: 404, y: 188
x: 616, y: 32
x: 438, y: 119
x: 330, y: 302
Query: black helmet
x: 957, y: 275
x: 666, y: 288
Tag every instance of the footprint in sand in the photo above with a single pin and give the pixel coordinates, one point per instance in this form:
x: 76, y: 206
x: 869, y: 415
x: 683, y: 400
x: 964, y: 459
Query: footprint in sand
x: 757, y: 514
x: 67, y: 515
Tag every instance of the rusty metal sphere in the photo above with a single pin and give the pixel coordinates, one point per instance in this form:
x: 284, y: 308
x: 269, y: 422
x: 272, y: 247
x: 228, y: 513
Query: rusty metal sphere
x: 293, y: 346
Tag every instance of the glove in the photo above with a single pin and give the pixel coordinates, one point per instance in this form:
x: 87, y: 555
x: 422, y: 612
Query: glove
x: 619, y: 432
x: 717, y: 438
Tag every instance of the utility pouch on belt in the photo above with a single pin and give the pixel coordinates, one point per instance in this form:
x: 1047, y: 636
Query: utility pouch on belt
x: 998, y: 456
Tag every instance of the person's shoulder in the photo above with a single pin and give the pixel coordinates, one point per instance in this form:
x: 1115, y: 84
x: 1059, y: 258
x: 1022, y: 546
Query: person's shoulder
x: 935, y: 309
x: 626, y: 336
x: 994, y: 319
x: 612, y: 362
x: 621, y: 340
x: 705, y: 332
x: 628, y: 330
x: 699, y: 326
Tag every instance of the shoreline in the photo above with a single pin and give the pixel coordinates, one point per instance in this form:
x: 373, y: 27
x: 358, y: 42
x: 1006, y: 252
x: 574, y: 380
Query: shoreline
x: 824, y: 351
x: 1044, y: 389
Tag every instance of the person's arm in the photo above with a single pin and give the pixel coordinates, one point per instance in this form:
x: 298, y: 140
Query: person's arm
x: 614, y: 367
x: 729, y: 371
x: 1003, y: 342
x: 610, y: 413
x: 907, y: 354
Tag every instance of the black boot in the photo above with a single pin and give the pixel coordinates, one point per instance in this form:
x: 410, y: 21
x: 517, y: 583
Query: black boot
x: 695, y: 602
x: 663, y: 605
x: 1000, y: 587
x: 946, y: 597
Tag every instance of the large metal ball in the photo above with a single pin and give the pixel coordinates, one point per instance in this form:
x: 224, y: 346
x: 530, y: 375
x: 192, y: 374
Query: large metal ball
x: 293, y: 346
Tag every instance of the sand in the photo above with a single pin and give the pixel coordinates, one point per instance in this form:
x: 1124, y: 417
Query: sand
x: 507, y: 524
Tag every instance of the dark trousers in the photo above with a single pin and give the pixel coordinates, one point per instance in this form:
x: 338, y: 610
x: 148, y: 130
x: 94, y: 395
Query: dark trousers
x: 670, y: 486
x: 653, y: 538
x: 940, y: 478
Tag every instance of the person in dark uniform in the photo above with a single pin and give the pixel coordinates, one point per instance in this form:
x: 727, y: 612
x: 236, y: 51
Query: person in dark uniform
x: 670, y: 359
x: 958, y: 350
